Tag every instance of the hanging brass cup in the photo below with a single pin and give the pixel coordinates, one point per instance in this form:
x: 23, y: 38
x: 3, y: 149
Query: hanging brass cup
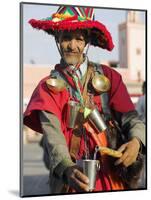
x: 97, y: 120
x: 101, y: 83
x: 56, y: 85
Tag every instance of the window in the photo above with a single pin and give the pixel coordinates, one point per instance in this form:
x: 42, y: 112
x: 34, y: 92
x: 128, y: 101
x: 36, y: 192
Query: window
x: 138, y: 51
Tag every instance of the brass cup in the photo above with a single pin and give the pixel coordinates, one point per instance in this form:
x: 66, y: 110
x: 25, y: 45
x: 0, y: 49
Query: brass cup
x: 56, y: 85
x: 97, y: 120
x: 72, y: 113
x: 101, y: 83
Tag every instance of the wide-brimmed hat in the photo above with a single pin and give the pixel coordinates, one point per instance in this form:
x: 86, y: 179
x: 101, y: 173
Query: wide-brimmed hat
x: 73, y: 18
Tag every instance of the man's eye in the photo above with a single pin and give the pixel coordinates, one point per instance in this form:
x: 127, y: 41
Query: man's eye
x: 81, y: 39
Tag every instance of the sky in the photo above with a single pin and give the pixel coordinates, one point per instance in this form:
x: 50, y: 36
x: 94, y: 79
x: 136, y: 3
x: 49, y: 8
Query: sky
x: 40, y: 48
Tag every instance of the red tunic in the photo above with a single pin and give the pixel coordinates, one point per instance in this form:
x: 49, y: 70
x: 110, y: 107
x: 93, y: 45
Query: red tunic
x: 43, y: 99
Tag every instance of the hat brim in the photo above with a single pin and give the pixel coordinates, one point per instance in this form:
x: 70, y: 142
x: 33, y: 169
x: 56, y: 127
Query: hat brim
x: 100, y: 36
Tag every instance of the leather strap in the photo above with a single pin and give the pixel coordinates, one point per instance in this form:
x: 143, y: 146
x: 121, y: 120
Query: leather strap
x: 76, y: 136
x: 89, y: 76
x: 74, y: 146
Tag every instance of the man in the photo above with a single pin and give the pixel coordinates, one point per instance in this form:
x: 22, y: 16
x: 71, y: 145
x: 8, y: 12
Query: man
x: 73, y: 80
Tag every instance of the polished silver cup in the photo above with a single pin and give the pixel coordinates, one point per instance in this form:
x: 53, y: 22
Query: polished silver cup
x: 90, y: 169
x: 97, y: 120
x: 72, y: 112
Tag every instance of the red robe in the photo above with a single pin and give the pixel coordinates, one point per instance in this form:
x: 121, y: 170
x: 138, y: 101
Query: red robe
x: 43, y: 99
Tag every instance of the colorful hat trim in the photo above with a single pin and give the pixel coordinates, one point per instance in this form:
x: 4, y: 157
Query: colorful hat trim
x: 72, y: 18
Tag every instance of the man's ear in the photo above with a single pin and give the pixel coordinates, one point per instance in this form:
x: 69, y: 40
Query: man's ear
x: 58, y: 35
x: 87, y: 41
x: 87, y: 37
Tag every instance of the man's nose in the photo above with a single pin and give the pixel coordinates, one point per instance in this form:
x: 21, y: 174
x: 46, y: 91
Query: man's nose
x: 72, y: 44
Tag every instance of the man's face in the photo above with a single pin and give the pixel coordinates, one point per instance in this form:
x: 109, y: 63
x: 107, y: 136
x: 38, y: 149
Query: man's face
x: 72, y: 45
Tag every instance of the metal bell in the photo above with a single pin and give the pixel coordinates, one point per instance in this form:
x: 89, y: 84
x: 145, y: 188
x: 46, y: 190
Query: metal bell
x: 101, y: 83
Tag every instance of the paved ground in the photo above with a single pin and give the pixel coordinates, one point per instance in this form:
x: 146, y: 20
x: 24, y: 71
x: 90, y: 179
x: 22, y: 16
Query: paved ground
x: 35, y: 175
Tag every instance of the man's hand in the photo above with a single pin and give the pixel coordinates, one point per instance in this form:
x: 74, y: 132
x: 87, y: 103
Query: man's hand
x: 76, y: 179
x: 130, y: 152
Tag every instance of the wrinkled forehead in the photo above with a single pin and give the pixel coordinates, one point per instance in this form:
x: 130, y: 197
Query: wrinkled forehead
x: 73, y: 33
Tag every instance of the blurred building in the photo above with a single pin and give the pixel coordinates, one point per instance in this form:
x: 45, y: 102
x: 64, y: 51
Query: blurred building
x: 131, y: 64
x: 132, y: 46
x: 32, y: 74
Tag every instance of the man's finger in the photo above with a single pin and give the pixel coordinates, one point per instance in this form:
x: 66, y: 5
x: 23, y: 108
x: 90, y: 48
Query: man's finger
x: 79, y: 186
x: 128, y: 161
x: 82, y: 177
x: 122, y: 148
x: 121, y: 159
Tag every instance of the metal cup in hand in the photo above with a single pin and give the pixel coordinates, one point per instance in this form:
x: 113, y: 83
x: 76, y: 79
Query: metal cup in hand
x: 90, y: 169
x: 96, y: 119
x: 72, y: 112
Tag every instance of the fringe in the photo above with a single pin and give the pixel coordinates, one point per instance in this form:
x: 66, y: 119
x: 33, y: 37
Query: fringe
x: 101, y: 36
